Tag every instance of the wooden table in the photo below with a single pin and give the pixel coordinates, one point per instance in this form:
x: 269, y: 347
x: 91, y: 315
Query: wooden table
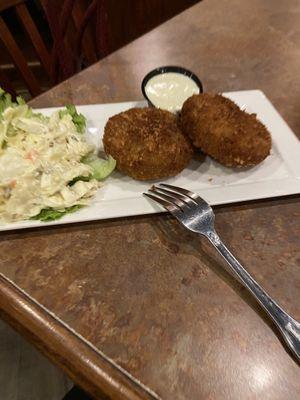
x: 143, y: 295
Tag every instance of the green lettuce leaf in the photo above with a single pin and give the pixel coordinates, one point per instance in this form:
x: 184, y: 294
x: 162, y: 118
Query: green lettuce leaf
x: 79, y: 120
x: 5, y: 100
x: 101, y: 167
x: 49, y: 214
x: 20, y: 101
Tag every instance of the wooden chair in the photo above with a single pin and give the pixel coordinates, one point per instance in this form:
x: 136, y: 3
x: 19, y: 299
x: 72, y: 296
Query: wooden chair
x: 76, y: 42
x: 15, y: 51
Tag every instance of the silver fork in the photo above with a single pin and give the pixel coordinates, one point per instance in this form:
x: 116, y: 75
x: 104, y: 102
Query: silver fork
x: 196, y: 215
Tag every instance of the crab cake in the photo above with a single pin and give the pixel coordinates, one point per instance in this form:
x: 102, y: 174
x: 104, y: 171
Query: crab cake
x: 222, y: 130
x: 147, y: 143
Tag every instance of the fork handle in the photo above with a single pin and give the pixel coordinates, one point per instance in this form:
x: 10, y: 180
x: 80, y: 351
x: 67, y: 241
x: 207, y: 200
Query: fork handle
x: 289, y: 328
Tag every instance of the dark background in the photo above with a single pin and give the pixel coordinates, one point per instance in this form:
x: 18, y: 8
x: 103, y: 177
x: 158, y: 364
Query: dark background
x: 127, y: 20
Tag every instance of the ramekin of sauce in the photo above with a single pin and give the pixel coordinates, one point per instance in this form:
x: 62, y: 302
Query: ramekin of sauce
x: 168, y: 87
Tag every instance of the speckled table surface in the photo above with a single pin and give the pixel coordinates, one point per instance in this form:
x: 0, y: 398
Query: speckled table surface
x: 153, y: 297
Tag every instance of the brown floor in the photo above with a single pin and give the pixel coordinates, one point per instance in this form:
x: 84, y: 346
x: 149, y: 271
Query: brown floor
x: 24, y: 373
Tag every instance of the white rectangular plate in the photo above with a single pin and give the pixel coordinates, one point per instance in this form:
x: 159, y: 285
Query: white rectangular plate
x: 122, y: 196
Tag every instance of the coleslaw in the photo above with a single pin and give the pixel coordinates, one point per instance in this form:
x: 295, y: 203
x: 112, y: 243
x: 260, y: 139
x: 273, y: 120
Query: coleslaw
x: 47, y: 167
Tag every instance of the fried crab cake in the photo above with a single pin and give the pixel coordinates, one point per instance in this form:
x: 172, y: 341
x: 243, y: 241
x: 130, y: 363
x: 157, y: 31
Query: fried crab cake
x: 147, y: 143
x: 222, y: 130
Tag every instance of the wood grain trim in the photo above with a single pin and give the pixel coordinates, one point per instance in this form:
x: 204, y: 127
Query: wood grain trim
x: 88, y: 46
x: 4, y: 4
x: 35, y: 37
x: 16, y: 54
x: 85, y: 365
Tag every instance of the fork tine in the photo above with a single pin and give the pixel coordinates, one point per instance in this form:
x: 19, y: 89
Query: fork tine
x: 185, y: 199
x: 171, y: 199
x: 162, y: 202
x: 185, y: 192
x: 168, y: 206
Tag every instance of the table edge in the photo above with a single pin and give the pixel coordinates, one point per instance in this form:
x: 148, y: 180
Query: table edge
x: 86, y: 365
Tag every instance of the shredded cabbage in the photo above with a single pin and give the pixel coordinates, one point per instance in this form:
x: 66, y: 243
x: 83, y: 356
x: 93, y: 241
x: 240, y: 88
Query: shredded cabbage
x: 78, y: 119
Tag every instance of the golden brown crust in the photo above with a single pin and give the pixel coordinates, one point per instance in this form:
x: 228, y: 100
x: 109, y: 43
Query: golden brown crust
x: 147, y: 143
x: 222, y: 130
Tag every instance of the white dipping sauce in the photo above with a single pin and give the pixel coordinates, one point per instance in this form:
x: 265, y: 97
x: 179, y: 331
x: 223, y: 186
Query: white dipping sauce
x: 170, y: 90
